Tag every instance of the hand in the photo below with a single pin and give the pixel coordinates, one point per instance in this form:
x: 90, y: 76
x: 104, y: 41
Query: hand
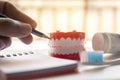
x: 2, y: 76
x: 16, y: 25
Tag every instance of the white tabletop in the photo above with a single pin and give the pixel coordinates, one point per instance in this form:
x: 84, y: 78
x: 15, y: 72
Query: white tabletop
x: 85, y: 72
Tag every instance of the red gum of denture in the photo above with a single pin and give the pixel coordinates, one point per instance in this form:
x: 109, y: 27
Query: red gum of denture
x: 72, y: 35
x: 73, y: 56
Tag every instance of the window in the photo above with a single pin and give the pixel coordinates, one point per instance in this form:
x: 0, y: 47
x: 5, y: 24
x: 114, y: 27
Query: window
x: 90, y: 16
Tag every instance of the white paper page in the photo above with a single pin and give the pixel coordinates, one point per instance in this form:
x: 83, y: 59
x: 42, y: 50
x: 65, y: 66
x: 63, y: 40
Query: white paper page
x: 31, y: 61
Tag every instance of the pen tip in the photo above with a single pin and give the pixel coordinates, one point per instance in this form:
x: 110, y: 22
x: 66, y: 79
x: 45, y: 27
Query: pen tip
x: 46, y: 37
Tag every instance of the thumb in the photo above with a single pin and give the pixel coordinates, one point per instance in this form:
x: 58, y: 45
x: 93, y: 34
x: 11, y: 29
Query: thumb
x: 14, y: 28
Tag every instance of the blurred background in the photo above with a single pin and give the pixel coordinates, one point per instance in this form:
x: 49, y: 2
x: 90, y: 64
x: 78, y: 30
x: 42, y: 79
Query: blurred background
x: 89, y: 16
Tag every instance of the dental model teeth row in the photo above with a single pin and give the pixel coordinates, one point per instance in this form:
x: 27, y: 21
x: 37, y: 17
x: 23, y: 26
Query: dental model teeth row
x: 66, y: 46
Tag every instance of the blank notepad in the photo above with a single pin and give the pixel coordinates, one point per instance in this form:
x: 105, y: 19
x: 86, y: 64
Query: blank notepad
x: 19, y: 65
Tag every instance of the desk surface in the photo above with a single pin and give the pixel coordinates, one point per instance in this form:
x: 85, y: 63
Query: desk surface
x: 86, y: 72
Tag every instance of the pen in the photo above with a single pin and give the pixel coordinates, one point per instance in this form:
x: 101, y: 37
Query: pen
x: 39, y: 34
x: 35, y: 32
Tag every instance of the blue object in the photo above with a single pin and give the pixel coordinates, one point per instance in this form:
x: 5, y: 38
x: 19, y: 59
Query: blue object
x: 95, y: 57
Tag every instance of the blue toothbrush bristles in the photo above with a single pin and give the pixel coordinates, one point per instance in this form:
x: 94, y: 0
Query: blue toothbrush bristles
x: 92, y: 57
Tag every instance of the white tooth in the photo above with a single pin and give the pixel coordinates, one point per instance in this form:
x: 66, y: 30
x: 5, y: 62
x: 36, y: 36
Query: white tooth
x: 68, y: 41
x: 61, y: 42
x: 56, y: 42
x: 51, y: 42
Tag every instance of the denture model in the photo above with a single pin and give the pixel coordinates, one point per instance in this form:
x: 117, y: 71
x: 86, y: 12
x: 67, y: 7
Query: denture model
x: 66, y: 45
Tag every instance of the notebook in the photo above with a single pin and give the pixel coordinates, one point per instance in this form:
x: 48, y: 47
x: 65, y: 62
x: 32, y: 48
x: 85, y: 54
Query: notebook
x: 19, y: 65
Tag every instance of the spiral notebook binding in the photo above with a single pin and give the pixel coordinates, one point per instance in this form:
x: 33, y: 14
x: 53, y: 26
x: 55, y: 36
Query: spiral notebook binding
x: 16, y: 54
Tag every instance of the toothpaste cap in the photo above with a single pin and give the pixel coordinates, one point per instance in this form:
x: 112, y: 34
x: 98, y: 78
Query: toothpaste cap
x: 102, y: 42
x: 98, y: 42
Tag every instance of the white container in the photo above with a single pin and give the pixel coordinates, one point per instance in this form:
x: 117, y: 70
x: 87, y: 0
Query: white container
x: 107, y: 42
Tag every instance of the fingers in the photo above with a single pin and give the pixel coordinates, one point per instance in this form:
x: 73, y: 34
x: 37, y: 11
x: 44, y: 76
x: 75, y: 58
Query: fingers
x: 1, y: 6
x: 27, y: 40
x: 20, y: 25
x: 4, y: 42
x: 11, y: 11
x: 12, y: 28
x: 2, y: 76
